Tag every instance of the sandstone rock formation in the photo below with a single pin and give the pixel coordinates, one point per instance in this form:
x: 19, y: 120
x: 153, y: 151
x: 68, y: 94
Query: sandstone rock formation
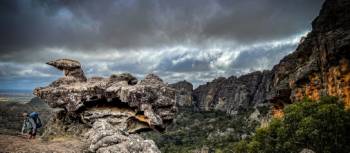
x: 184, y: 91
x: 72, y: 69
x: 233, y: 94
x: 319, y: 66
x: 110, y: 111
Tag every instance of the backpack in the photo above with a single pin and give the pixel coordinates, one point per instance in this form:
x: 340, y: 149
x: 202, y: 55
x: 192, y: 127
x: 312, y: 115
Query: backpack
x: 35, y: 117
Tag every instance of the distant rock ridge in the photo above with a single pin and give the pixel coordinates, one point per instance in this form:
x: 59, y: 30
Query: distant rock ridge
x: 111, y: 111
x: 319, y: 66
x: 233, y: 94
x: 184, y: 91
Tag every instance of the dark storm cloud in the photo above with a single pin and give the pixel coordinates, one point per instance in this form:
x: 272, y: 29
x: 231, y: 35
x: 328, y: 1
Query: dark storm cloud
x: 30, y: 26
x: 187, y: 65
x: 196, y: 40
x: 261, y: 58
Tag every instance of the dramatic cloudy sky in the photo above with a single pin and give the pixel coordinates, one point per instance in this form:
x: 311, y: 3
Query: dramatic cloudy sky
x: 194, y: 40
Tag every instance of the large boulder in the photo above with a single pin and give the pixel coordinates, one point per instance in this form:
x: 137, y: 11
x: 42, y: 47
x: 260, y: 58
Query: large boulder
x: 112, y: 110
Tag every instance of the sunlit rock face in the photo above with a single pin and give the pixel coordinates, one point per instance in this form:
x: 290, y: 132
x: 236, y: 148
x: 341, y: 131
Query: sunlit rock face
x: 319, y: 66
x: 113, y: 109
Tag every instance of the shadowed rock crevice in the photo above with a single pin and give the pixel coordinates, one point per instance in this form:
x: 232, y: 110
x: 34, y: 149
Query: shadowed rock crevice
x: 110, y: 111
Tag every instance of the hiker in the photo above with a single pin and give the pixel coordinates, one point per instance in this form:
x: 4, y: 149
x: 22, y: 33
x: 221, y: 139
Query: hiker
x: 31, y: 124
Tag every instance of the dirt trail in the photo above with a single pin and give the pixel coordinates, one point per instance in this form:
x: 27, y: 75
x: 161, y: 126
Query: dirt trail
x: 17, y: 144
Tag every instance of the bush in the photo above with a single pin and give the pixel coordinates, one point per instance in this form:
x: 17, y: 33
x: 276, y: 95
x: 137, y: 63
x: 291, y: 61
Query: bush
x: 317, y: 125
x: 194, y: 130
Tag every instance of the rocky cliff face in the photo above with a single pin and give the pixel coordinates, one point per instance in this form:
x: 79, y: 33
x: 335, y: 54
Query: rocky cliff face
x: 184, y: 91
x: 319, y: 66
x: 233, y: 94
x: 108, y: 113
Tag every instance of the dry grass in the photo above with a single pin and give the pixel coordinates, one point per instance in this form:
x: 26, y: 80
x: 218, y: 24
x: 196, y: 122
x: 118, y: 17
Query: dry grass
x: 58, y: 145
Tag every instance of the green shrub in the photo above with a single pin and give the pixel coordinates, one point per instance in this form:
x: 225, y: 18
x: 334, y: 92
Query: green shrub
x: 194, y: 130
x: 317, y: 125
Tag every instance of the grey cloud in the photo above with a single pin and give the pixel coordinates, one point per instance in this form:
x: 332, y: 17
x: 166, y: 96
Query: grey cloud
x: 247, y: 21
x: 260, y: 58
x: 29, y: 26
x: 14, y: 70
x: 139, y: 36
x: 187, y: 65
x: 25, y: 83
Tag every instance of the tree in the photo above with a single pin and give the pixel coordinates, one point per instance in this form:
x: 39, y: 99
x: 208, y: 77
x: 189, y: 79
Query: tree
x: 318, y: 125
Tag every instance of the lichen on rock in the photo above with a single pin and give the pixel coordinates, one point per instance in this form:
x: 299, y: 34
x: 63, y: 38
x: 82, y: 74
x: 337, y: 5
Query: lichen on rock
x: 113, y: 109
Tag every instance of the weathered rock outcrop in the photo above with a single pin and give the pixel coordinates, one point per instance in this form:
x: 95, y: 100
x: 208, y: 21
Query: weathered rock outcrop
x: 233, y: 94
x: 112, y: 110
x: 184, y: 91
x: 71, y: 68
x: 319, y: 66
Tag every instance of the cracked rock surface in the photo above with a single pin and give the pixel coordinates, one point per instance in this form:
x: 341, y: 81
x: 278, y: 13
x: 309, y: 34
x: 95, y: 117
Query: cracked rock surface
x: 113, y: 110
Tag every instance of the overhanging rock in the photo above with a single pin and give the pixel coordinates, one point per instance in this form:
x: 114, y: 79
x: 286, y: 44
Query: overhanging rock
x: 115, y: 108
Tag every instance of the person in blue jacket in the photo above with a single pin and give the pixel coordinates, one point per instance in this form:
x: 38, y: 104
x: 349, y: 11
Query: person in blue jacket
x: 31, y: 124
